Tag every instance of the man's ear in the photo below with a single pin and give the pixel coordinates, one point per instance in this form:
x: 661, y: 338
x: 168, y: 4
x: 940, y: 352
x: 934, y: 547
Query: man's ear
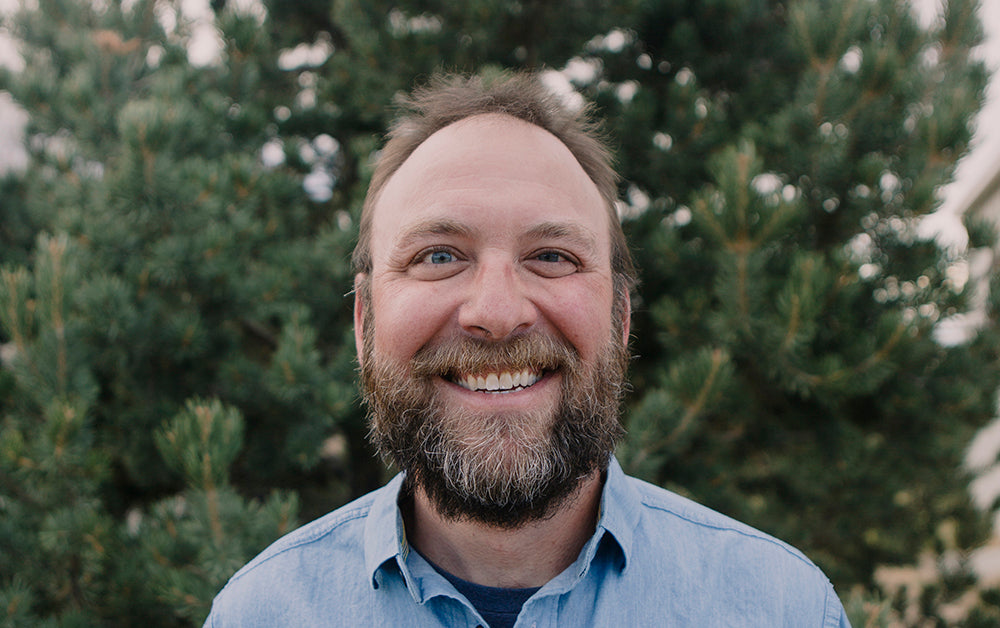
x: 359, y: 313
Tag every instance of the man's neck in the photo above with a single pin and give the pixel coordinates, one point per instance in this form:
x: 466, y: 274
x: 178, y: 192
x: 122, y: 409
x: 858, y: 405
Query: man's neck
x: 528, y: 556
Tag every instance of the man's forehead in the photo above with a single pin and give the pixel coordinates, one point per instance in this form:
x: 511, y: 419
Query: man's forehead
x: 490, y: 145
x: 484, y: 139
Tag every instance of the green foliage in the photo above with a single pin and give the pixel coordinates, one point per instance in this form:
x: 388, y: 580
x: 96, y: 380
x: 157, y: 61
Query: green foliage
x: 199, y: 538
x: 782, y: 176
x: 175, y: 316
x: 867, y: 611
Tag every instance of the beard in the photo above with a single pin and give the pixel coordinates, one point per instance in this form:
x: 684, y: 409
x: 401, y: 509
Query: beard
x: 504, y: 468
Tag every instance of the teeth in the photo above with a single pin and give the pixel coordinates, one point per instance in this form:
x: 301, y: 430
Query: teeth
x: 500, y: 382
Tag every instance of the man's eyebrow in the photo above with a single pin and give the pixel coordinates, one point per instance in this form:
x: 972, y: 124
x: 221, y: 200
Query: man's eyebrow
x: 563, y: 231
x: 432, y: 227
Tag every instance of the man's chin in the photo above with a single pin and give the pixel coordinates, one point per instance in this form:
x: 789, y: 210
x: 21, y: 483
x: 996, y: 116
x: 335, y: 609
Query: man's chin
x: 515, y: 509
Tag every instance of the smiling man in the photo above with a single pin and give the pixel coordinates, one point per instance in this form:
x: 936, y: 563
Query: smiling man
x: 492, y: 323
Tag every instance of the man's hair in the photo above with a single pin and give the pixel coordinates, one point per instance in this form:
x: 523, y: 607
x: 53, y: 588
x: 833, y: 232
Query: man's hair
x: 446, y: 99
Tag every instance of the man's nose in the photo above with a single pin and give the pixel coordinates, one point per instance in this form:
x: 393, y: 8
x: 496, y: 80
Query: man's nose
x: 497, y: 305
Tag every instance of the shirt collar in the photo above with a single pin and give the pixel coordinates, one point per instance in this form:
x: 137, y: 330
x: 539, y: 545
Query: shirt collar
x: 385, y: 536
x: 620, y: 510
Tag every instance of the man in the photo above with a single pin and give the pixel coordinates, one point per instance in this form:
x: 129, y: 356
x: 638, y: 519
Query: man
x: 492, y: 322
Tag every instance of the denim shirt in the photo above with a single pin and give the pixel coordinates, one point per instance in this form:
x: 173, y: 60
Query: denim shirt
x: 655, y: 559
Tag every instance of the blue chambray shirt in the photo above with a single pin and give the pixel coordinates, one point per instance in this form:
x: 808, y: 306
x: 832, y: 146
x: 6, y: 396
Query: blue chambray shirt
x: 655, y: 559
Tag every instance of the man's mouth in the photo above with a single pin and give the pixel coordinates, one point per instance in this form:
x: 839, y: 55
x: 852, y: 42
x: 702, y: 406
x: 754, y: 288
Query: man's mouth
x: 501, y: 382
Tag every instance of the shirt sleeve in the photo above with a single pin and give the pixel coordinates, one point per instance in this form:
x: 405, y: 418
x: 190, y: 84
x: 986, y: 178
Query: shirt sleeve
x: 836, y: 616
x: 210, y: 621
x: 844, y: 623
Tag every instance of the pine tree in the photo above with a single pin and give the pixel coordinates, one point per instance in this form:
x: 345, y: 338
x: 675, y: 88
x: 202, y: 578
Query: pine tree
x: 167, y: 278
x: 780, y: 155
x: 178, y: 385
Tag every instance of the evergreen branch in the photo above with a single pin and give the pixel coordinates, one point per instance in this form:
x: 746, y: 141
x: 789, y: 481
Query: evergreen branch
x: 794, y: 318
x: 741, y: 283
x: 695, y: 408
x: 17, y: 330
x: 148, y: 165
x: 743, y: 164
x: 793, y: 323
x: 964, y: 17
x: 206, y: 417
x: 776, y: 219
x: 799, y: 21
x: 260, y: 331
x: 741, y: 248
x: 860, y: 104
x: 847, y: 18
x: 883, y: 351
x: 15, y: 321
x: 868, y: 363
x: 701, y: 207
x: 824, y: 67
x: 214, y: 515
x: 13, y: 487
x: 57, y: 247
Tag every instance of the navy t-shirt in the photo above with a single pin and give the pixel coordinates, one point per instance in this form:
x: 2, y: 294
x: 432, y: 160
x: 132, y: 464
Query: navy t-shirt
x: 498, y: 606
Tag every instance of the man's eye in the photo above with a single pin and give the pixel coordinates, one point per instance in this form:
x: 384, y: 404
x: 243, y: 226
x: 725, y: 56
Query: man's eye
x: 550, y: 256
x: 552, y: 264
x: 440, y: 257
x: 432, y: 264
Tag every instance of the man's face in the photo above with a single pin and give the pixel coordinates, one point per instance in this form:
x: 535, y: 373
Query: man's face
x: 491, y: 364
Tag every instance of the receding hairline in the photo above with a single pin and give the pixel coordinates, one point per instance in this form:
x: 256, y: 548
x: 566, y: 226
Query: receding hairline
x: 491, y: 121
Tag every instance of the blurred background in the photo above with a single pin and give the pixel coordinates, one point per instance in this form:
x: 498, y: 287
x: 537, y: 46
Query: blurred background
x: 811, y: 190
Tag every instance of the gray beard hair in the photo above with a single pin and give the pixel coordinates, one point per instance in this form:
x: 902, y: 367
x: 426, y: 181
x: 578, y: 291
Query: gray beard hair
x: 502, y: 469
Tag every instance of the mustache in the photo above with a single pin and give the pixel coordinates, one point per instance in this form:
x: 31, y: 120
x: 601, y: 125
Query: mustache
x: 471, y: 356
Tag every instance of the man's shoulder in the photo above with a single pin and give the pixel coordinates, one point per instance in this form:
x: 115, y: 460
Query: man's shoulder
x: 671, y: 513
x: 709, y: 557
x: 344, y: 523
x: 305, y: 564
x: 340, y: 531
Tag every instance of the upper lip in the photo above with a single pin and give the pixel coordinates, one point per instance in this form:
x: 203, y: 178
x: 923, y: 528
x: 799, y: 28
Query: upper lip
x: 499, y: 380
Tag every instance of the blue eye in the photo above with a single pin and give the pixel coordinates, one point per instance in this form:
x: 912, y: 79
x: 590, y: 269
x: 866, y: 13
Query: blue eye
x: 550, y: 257
x: 552, y: 263
x: 437, y: 262
x: 440, y: 257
